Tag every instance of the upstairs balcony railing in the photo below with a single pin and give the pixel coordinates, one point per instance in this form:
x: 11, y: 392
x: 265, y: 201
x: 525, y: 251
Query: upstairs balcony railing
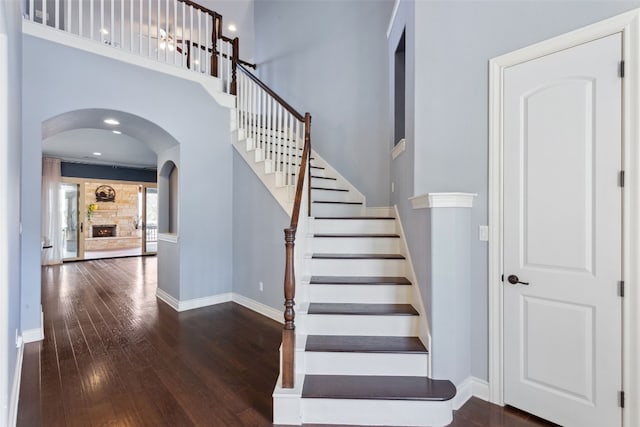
x: 175, y: 32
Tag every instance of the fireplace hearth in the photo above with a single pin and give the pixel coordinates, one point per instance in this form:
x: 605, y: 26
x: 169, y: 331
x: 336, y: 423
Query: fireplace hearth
x: 106, y: 230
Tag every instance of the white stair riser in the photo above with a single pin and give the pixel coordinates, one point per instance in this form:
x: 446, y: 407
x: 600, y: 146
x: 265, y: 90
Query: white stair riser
x: 339, y: 324
x: 383, y: 226
x: 336, y: 196
x: 358, y: 267
x: 376, y: 412
x: 338, y: 363
x: 363, y: 294
x: 320, y: 172
x: 358, y: 245
x: 332, y: 209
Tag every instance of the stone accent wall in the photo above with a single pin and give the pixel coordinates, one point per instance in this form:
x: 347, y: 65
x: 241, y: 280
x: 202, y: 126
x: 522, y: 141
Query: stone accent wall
x: 123, y: 212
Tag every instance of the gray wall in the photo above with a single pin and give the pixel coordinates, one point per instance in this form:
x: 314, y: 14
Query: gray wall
x: 10, y: 143
x: 258, y: 238
x: 327, y: 57
x: 76, y: 80
x: 450, y: 44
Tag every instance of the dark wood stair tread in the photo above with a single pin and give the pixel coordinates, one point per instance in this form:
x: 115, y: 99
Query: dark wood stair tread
x: 336, y: 203
x: 356, y: 235
x: 329, y: 189
x: 355, y: 217
x: 362, y: 309
x: 359, y: 280
x: 357, y: 256
x: 376, y: 388
x: 323, y: 177
x: 364, y: 344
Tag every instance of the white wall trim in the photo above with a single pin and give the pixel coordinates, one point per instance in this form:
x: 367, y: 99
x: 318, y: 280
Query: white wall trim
x: 258, y: 307
x: 464, y: 392
x: 4, y: 210
x: 392, y: 21
x: 443, y: 200
x: 35, y: 334
x: 15, y: 388
x: 424, y: 328
x: 399, y: 148
x: 480, y: 388
x: 192, y: 304
x: 629, y: 25
x: 168, y: 237
x: 210, y: 84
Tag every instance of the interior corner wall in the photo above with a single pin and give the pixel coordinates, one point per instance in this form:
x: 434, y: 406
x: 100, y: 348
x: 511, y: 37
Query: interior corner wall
x: 327, y: 58
x: 10, y: 145
x: 168, y: 251
x: 74, y: 80
x: 258, y: 238
x: 450, y: 45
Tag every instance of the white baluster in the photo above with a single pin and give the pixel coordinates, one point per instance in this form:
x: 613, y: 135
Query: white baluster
x: 57, y: 14
x: 102, y: 29
x: 91, y: 22
x: 288, y: 124
x: 112, y: 27
x: 80, y: 16
x: 206, y: 45
x: 193, y: 57
x: 166, y: 30
x: 184, y: 36
x: 131, y: 26
x: 149, y: 28
x: 175, y: 32
x: 68, y: 22
x: 31, y: 11
x: 158, y: 30
x: 44, y: 12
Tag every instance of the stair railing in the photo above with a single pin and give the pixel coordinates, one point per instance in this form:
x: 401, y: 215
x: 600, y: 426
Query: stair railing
x: 281, y: 136
x: 175, y: 32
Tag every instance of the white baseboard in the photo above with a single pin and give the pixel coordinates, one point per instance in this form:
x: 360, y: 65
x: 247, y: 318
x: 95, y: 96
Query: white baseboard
x: 259, y: 307
x: 480, y: 388
x: 35, y: 334
x: 15, y: 388
x: 191, y: 304
x: 468, y: 388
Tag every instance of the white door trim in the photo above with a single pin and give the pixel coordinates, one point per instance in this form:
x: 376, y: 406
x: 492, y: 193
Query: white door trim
x: 629, y: 25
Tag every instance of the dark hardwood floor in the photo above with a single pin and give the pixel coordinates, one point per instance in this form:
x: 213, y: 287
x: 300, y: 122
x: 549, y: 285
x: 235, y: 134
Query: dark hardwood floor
x: 114, y: 355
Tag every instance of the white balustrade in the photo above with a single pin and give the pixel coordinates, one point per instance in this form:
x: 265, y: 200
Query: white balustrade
x: 163, y: 30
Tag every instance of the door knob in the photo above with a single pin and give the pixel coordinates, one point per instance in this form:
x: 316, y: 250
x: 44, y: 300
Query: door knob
x: 513, y: 279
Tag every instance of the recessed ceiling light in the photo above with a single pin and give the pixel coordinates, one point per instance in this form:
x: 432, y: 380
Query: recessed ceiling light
x: 104, y: 31
x: 96, y: 153
x: 196, y: 62
x: 112, y: 122
x: 232, y: 28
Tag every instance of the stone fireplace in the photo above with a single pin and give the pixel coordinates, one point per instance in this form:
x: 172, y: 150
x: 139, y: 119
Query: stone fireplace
x: 105, y: 230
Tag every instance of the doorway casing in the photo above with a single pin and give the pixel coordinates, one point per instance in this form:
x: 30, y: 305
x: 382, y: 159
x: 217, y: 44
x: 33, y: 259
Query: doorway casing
x: 628, y: 24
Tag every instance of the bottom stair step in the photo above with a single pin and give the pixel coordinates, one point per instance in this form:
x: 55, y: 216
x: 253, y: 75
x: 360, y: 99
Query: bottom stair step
x: 376, y: 388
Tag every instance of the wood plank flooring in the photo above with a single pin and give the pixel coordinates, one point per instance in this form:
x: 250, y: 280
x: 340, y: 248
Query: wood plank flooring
x: 116, y: 356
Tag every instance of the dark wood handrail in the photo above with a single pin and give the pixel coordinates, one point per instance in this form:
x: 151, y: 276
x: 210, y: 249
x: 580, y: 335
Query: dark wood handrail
x: 208, y: 49
x: 274, y: 95
x: 199, y: 7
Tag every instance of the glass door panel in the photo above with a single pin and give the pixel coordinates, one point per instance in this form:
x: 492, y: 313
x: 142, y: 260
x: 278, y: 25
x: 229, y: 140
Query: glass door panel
x: 69, y: 214
x: 150, y: 222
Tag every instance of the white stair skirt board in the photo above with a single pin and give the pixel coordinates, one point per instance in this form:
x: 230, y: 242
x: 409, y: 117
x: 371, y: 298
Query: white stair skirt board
x: 342, y: 363
x: 358, y: 267
x: 382, y: 226
x: 363, y: 325
x: 334, y: 209
x: 363, y: 294
x: 317, y: 179
x: 376, y: 412
x: 357, y: 245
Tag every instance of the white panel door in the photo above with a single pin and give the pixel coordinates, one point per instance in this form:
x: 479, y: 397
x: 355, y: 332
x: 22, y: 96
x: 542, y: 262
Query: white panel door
x: 563, y: 235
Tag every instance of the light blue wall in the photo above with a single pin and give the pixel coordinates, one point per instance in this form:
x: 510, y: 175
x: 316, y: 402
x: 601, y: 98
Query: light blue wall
x: 58, y: 79
x: 10, y: 143
x: 327, y: 57
x: 258, y: 238
x: 450, y: 43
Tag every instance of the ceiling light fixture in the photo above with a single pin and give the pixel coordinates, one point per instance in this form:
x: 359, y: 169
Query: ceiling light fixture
x: 112, y: 122
x: 104, y: 31
x: 232, y: 28
x: 117, y: 132
x: 96, y: 153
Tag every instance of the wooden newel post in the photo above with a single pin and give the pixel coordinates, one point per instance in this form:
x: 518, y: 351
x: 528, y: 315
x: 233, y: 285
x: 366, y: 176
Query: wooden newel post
x: 288, y: 333
x: 234, y: 65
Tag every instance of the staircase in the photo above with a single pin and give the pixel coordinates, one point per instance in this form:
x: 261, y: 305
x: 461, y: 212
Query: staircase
x: 360, y: 354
